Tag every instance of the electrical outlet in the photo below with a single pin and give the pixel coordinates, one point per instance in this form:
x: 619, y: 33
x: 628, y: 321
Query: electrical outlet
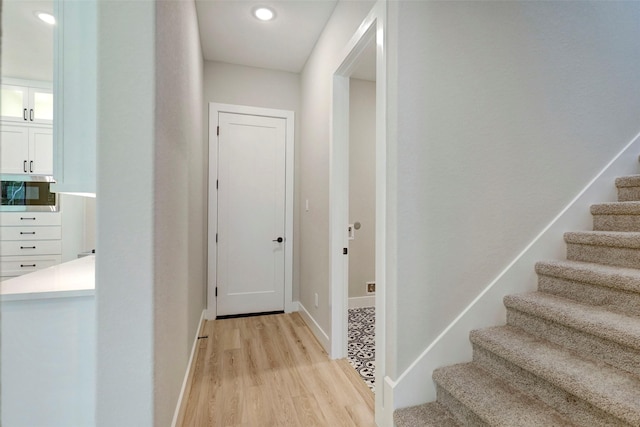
x: 371, y: 287
x: 316, y: 300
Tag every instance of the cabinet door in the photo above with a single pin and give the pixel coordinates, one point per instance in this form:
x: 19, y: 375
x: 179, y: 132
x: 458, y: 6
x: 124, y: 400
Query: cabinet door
x: 14, y: 149
x: 40, y: 106
x: 40, y: 151
x: 14, y: 103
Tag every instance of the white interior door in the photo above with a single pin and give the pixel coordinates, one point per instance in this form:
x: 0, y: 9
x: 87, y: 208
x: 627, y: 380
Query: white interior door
x: 251, y: 214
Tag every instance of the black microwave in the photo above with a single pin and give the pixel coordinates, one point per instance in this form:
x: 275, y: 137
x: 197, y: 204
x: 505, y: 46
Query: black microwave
x: 27, y: 193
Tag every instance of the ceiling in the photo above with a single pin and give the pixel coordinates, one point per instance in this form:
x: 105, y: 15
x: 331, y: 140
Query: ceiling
x: 27, y: 42
x: 228, y: 31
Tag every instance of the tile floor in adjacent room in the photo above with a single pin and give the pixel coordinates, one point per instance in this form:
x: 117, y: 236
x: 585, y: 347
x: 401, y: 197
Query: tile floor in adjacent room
x: 362, y: 343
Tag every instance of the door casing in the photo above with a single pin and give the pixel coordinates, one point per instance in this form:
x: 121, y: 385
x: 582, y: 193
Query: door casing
x: 214, y: 110
x: 374, y: 26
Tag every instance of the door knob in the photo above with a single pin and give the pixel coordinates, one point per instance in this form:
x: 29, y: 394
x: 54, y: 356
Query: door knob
x: 279, y: 240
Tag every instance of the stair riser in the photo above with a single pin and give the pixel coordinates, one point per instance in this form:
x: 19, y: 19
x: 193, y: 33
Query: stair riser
x: 586, y: 345
x: 460, y: 412
x: 571, y: 406
x: 628, y: 194
x: 625, y: 301
x: 621, y: 257
x: 616, y: 222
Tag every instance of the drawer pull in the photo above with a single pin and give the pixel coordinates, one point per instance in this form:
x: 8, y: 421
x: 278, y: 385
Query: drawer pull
x: 22, y: 218
x: 27, y: 265
x: 27, y: 232
x: 27, y: 247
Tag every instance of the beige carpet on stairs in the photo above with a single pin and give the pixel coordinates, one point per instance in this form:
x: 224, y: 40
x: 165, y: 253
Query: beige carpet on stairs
x: 569, y: 354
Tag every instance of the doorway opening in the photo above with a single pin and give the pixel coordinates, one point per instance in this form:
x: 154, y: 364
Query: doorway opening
x: 362, y: 219
x: 347, y: 157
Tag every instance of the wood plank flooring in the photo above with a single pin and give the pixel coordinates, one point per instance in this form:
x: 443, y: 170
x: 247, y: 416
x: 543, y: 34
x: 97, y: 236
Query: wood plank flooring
x: 271, y: 371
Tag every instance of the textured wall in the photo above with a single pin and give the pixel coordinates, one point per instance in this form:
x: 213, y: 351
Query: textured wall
x: 180, y: 191
x: 504, y: 111
x: 316, y: 83
x: 151, y: 208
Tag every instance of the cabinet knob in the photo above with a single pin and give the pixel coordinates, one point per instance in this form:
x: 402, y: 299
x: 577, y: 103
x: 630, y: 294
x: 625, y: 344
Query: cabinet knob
x: 31, y: 166
x: 24, y: 114
x: 24, y: 166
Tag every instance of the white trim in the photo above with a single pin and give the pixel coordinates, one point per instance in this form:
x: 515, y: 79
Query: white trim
x: 384, y: 417
x: 361, y: 302
x: 186, y: 374
x: 452, y: 345
x: 40, y: 84
x: 320, y: 335
x: 289, y: 116
x: 374, y: 25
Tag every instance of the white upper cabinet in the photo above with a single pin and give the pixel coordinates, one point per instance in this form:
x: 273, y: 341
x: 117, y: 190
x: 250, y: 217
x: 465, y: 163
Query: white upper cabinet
x: 14, y: 149
x: 26, y: 150
x: 29, y: 105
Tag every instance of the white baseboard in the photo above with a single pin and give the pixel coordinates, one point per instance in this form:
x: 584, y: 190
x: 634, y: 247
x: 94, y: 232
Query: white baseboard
x: 452, y: 346
x: 320, y: 335
x: 186, y: 375
x: 361, y: 302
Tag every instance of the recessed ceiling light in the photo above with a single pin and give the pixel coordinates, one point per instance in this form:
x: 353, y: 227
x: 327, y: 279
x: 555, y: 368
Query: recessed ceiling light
x: 46, y: 17
x: 264, y: 13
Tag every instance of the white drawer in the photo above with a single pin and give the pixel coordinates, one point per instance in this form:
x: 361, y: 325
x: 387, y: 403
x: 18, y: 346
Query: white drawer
x: 32, y: 247
x: 30, y: 233
x: 30, y: 218
x: 11, y: 266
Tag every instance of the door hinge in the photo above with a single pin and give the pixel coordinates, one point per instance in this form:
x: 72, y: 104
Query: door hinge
x: 344, y: 251
x: 216, y: 291
x: 218, y: 131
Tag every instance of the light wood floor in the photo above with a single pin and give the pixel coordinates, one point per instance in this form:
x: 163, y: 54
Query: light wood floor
x: 271, y: 371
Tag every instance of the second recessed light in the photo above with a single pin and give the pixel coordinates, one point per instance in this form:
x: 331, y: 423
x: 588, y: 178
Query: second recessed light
x: 264, y: 13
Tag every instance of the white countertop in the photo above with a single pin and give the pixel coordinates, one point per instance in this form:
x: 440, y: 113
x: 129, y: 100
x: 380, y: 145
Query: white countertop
x: 70, y: 279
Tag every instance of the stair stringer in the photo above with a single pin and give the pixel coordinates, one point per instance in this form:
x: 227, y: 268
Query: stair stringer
x: 415, y: 386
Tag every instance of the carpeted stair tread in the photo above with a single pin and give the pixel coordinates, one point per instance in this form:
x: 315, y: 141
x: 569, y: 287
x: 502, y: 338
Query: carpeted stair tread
x: 609, y: 389
x: 428, y: 415
x: 493, y: 400
x: 628, y: 181
x: 616, y: 208
x: 600, y: 322
x: 621, y: 239
x: 627, y: 279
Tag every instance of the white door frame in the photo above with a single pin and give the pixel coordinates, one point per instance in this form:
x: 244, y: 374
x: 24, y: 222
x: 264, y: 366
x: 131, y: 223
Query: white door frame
x: 289, y: 116
x: 374, y: 25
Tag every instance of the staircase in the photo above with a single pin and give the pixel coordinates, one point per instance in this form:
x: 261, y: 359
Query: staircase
x: 569, y: 354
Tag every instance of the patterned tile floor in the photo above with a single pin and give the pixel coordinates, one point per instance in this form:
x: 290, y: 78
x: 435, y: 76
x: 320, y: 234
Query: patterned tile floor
x: 362, y: 342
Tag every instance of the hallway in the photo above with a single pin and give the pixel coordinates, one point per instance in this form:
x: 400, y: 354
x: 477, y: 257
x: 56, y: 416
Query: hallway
x: 271, y: 371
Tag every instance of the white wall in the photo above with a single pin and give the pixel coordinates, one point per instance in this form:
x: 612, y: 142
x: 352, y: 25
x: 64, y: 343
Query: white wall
x: 180, y: 193
x: 151, y: 216
x: 259, y: 87
x: 78, y: 225
x: 125, y: 215
x: 362, y: 184
x: 316, y: 81
x: 504, y: 111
